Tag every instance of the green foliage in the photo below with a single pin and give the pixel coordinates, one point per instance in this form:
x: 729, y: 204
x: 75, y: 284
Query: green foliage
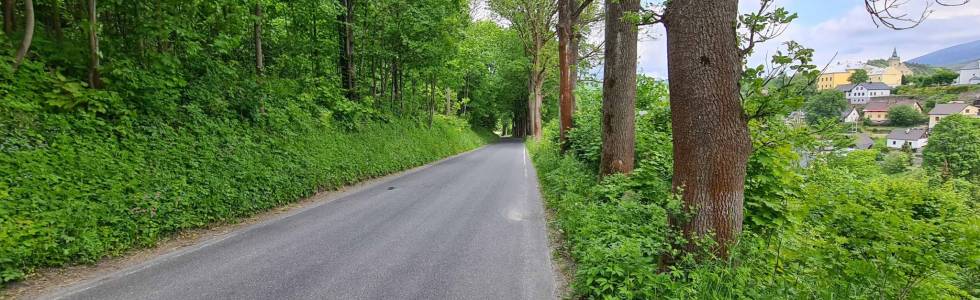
x: 75, y: 191
x: 954, y: 148
x: 896, y: 162
x: 936, y: 94
x: 184, y: 138
x: 941, y: 77
x: 859, y: 76
x: 905, y: 115
x: 850, y: 232
x: 840, y: 229
x: 825, y: 105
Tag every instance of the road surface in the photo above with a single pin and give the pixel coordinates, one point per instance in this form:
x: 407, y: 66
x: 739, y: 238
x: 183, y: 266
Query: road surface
x: 470, y: 227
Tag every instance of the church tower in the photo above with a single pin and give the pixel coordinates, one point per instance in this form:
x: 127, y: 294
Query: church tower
x: 895, y: 61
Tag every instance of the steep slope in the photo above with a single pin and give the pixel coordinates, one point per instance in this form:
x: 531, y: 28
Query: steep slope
x: 951, y: 57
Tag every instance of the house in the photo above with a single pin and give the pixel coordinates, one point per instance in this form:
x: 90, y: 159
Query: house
x: 948, y: 109
x: 913, y: 138
x: 970, y: 74
x: 796, y: 118
x: 877, y: 109
x: 851, y: 115
x: 862, y: 141
x: 861, y: 93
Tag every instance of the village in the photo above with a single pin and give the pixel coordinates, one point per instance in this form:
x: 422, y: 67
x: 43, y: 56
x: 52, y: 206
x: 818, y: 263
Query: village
x: 892, y: 105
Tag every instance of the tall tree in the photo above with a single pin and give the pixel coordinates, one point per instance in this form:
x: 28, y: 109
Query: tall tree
x: 257, y: 32
x: 619, y: 87
x: 859, y: 76
x: 346, y: 28
x: 25, y: 43
x: 534, y: 21
x: 569, y: 14
x: 94, y: 78
x: 8, y: 17
x: 710, y: 134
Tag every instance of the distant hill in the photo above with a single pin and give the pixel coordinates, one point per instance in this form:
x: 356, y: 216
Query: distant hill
x: 953, y: 57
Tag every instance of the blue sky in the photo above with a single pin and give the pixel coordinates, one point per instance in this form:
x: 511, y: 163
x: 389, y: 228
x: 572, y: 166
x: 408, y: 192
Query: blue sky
x: 843, y: 27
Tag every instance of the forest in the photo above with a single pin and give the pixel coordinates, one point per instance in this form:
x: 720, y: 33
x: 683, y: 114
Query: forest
x: 123, y: 122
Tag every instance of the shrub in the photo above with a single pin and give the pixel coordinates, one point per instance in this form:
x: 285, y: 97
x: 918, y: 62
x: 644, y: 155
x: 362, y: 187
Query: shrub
x: 79, y: 184
x: 905, y: 115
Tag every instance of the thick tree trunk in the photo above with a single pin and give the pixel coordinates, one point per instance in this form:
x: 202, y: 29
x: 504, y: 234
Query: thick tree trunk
x: 259, y: 56
x: 94, y: 78
x: 536, y: 95
x: 711, y: 137
x: 346, y: 21
x: 25, y: 43
x: 619, y: 88
x: 566, y: 97
x: 8, y: 17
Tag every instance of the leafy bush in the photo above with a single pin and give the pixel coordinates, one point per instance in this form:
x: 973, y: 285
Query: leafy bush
x: 895, y: 162
x: 839, y: 229
x: 954, y: 148
x: 905, y: 115
x: 81, y: 177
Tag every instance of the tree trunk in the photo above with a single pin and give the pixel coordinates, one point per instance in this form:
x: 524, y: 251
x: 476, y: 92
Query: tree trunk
x: 59, y: 35
x: 711, y: 138
x: 259, y: 56
x: 25, y: 44
x: 8, y: 17
x: 619, y: 88
x: 432, y: 98
x: 565, y: 94
x: 536, y: 95
x: 449, y: 101
x: 346, y: 21
x: 94, y: 78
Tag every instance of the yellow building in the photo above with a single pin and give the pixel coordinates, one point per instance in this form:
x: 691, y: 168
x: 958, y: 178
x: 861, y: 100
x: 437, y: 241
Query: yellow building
x: 890, y: 75
x: 830, y: 80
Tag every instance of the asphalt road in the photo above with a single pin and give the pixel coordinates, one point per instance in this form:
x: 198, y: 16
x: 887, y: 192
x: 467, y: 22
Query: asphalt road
x: 470, y: 227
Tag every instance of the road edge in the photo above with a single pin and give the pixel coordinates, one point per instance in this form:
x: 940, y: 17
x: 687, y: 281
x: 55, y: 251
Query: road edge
x: 53, y: 282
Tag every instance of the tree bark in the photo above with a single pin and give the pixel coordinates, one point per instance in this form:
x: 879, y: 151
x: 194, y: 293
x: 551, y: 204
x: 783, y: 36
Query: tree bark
x: 619, y: 89
x: 536, y: 96
x: 449, y: 101
x: 8, y: 17
x: 565, y: 93
x: 569, y: 12
x: 711, y: 138
x: 259, y: 56
x: 432, y: 98
x: 25, y: 43
x: 94, y: 78
x: 346, y: 21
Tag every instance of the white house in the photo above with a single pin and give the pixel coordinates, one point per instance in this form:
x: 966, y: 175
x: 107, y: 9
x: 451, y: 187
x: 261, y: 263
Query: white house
x: 851, y: 115
x: 970, y: 74
x: 914, y: 138
x: 861, y: 93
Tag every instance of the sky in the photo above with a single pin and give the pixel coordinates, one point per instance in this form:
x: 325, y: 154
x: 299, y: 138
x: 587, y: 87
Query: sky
x: 845, y: 28
x: 839, y: 31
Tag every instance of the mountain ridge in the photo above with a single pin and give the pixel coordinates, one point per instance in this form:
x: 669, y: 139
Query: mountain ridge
x: 952, y: 57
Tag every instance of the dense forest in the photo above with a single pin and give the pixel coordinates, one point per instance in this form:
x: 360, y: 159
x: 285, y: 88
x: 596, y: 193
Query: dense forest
x: 123, y: 122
